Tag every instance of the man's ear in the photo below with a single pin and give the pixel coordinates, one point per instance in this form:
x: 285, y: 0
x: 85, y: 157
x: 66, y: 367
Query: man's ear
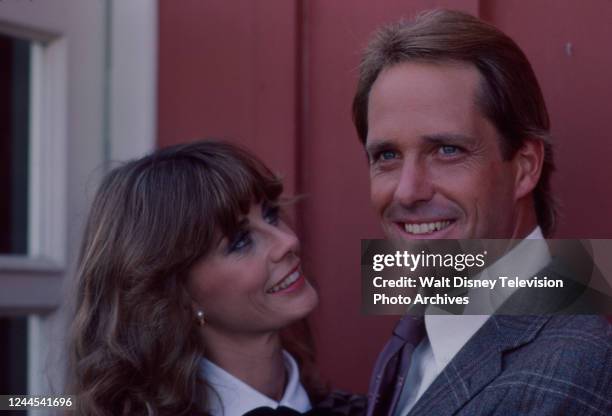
x: 528, y: 162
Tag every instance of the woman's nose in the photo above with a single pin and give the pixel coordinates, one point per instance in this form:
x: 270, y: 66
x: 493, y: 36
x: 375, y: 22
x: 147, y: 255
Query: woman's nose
x: 285, y: 242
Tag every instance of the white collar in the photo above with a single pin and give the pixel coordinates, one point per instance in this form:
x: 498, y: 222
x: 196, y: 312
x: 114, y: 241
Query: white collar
x: 447, y: 334
x: 227, y: 395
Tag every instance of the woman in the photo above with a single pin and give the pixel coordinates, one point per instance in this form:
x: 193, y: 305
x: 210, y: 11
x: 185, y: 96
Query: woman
x: 188, y: 273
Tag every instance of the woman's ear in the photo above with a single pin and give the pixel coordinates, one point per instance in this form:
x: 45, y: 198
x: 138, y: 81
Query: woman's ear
x: 528, y: 162
x: 195, y: 309
x: 197, y: 312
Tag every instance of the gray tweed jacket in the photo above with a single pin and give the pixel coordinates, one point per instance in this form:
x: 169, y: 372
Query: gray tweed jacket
x: 528, y: 365
x: 536, y: 364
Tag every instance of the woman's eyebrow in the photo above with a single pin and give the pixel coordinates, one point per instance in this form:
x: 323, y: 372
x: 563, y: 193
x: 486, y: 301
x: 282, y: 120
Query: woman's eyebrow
x: 243, y: 223
x: 220, y: 240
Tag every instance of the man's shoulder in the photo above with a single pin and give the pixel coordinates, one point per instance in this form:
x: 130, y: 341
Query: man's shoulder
x: 576, y: 333
x: 567, y: 341
x: 569, y: 358
x: 531, y: 365
x: 565, y: 367
x: 587, y: 323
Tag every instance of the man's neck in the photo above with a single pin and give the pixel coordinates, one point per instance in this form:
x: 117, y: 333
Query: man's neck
x: 525, y: 222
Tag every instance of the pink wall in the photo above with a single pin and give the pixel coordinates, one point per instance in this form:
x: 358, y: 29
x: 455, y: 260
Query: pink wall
x: 228, y: 69
x: 577, y: 88
x: 279, y: 75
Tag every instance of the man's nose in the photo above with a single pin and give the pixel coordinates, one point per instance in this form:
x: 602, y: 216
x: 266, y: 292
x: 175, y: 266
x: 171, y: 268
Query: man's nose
x: 414, y: 184
x: 284, y: 243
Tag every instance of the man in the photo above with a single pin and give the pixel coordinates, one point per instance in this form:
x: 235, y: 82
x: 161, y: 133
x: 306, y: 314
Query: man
x: 457, y: 136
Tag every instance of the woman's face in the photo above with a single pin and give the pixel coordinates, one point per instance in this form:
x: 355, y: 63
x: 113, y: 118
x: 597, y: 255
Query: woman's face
x: 253, y: 282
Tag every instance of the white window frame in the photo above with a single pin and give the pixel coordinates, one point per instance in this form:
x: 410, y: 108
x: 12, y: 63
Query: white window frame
x: 45, y: 262
x: 35, y: 284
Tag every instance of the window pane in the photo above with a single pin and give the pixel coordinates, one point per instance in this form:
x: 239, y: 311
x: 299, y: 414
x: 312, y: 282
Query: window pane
x: 13, y: 356
x: 14, y: 143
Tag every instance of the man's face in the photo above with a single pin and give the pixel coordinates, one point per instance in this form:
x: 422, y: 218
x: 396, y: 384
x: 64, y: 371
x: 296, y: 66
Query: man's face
x: 436, y: 168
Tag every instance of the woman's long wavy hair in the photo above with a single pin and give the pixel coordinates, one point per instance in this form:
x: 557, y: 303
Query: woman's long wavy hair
x: 135, y: 345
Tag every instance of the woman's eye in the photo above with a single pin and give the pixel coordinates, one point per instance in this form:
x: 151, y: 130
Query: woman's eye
x: 240, y: 242
x: 272, y: 215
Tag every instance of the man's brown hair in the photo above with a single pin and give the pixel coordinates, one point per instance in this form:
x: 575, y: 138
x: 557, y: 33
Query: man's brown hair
x: 509, y: 94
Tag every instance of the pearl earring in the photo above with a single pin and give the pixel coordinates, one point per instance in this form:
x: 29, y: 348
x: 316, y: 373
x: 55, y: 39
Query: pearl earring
x: 200, y: 317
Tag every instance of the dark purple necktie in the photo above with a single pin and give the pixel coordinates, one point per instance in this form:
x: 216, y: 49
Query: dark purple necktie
x: 392, y: 366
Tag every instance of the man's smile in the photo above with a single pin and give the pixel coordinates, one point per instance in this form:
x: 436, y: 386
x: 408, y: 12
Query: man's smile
x: 425, y: 228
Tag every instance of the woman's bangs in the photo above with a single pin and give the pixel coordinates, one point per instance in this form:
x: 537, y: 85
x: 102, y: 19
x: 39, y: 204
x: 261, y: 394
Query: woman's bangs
x: 233, y: 196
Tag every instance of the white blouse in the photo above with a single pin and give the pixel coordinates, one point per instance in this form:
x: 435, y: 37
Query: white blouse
x: 229, y: 396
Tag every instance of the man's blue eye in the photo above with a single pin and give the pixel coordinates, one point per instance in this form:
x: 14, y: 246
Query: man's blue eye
x: 449, y: 150
x: 383, y: 155
x: 387, y: 155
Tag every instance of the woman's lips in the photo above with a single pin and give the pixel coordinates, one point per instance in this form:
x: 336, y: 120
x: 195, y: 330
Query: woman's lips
x: 290, y: 283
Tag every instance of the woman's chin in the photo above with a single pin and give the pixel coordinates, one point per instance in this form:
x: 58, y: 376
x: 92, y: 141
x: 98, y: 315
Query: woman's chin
x: 302, y: 305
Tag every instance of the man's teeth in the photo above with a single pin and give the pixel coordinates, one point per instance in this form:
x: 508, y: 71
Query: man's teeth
x: 426, y: 228
x: 286, y: 282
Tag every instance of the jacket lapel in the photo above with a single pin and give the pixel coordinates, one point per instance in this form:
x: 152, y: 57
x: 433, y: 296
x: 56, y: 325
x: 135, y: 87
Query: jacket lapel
x: 477, y: 364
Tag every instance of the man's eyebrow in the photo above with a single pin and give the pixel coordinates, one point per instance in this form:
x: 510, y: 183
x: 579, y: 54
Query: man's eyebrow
x: 449, y: 138
x: 378, y: 146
